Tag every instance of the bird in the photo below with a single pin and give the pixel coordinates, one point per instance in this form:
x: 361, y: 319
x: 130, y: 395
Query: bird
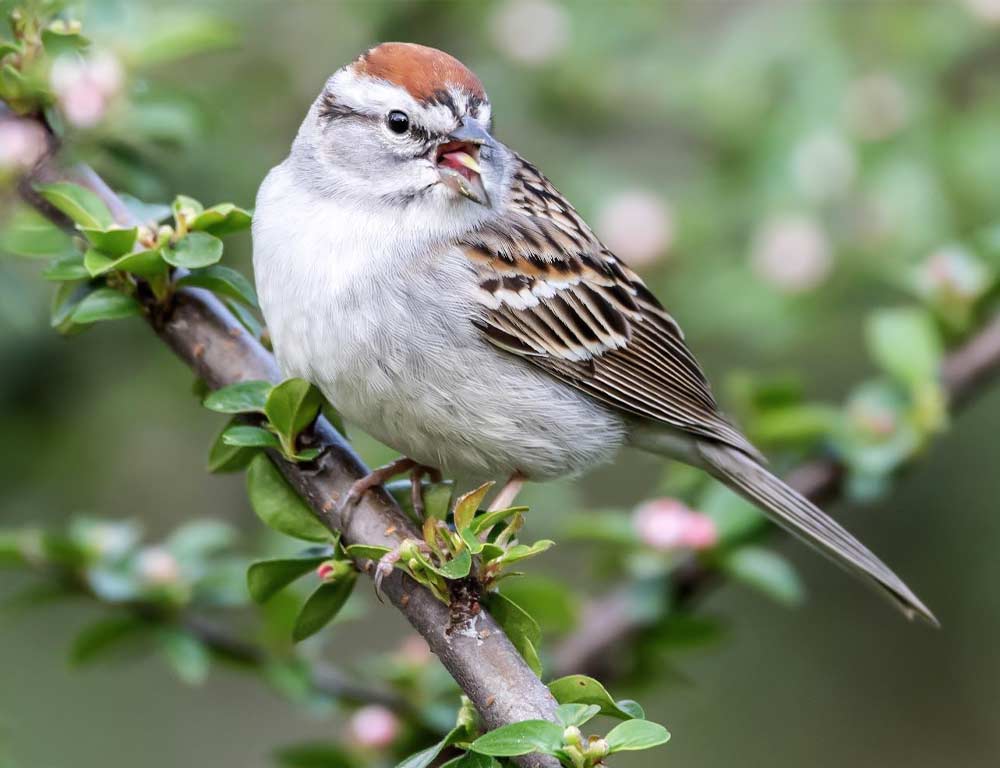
x: 445, y: 297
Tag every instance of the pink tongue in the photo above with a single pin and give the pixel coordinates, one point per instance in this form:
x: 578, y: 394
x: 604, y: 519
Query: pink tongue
x: 448, y: 159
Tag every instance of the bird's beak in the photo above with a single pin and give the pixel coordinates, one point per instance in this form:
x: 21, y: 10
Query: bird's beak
x: 458, y: 160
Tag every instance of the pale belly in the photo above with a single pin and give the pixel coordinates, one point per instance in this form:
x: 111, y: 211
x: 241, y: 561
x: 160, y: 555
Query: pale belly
x: 406, y: 364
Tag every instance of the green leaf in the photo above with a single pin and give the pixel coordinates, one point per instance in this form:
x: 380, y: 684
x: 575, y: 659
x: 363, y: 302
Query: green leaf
x: 577, y: 714
x: 268, y: 577
x: 114, y: 241
x: 223, y: 281
x: 223, y: 219
x: 523, y: 551
x: 489, y: 519
x: 635, y: 735
x: 198, y: 249
x: 27, y: 233
x: 552, y: 603
x: 426, y: 757
x: 247, y: 436
x: 519, y: 626
x: 278, y: 505
x: 322, y: 606
x: 318, y: 755
x: 437, y: 499
x: 149, y: 214
x: 735, y: 518
x: 906, y: 343
x: 81, y: 205
x: 68, y: 267
x: 187, y: 655
x: 580, y: 689
x: 102, y: 636
x: 472, y: 760
x: 224, y: 457
x: 765, y: 571
x: 105, y: 304
x: 521, y: 738
x: 243, y: 397
x: 291, y: 406
x: 147, y: 264
x: 467, y: 504
x: 456, y: 568
x: 367, y: 552
x: 186, y: 206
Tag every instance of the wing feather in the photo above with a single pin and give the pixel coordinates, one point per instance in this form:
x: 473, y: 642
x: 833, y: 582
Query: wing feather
x: 554, y: 295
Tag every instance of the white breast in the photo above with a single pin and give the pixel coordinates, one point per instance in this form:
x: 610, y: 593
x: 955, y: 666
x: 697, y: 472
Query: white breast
x: 379, y: 316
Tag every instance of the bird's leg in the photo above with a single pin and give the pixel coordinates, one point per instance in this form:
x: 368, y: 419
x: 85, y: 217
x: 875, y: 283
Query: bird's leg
x: 375, y: 478
x: 508, y: 493
x: 416, y: 490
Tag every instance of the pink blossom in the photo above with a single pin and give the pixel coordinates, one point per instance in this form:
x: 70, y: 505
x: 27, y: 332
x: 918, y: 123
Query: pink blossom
x: 415, y: 651
x: 373, y: 726
x: 792, y: 253
x: 667, y: 524
x: 157, y: 567
x: 22, y: 143
x: 637, y: 226
x: 86, y: 87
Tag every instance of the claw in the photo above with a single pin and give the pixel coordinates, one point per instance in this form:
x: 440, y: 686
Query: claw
x: 388, y: 561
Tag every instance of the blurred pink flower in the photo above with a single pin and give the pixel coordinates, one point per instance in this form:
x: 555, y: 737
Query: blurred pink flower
x: 876, y: 106
x: 985, y: 10
x: 531, y: 32
x: 953, y: 272
x: 22, y: 143
x: 666, y: 524
x: 637, y: 226
x: 373, y: 726
x: 792, y: 253
x: 414, y: 650
x: 156, y: 566
x: 86, y: 87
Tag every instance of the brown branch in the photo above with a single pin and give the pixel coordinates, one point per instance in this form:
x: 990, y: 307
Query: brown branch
x: 206, y: 336
x: 608, y: 622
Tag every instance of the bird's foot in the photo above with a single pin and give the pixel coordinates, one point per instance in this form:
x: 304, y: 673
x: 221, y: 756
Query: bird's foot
x: 373, y: 479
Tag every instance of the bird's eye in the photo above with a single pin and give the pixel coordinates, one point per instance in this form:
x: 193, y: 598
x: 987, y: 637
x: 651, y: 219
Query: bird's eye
x: 398, y: 121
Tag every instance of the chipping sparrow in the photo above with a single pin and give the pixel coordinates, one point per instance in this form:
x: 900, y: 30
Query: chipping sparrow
x: 449, y: 300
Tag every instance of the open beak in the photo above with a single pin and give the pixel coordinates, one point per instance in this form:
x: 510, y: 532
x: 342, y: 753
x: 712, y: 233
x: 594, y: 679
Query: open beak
x: 458, y: 160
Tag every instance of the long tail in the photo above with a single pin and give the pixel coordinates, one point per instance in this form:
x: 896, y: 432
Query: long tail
x: 792, y: 511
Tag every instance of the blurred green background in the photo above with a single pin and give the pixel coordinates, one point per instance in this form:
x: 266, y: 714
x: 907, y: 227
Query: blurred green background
x: 772, y: 168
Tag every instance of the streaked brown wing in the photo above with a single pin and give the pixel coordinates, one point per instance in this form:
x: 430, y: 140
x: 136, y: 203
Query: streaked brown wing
x: 554, y: 295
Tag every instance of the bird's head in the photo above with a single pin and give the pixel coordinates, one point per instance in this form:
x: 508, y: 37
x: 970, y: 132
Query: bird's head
x: 405, y: 126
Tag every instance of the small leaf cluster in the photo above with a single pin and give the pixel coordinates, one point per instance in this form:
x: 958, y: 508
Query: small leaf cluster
x: 457, y: 541
x: 119, y: 271
x: 283, y: 410
x: 581, y: 699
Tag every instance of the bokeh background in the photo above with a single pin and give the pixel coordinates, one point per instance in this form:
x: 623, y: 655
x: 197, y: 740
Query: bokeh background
x: 772, y: 168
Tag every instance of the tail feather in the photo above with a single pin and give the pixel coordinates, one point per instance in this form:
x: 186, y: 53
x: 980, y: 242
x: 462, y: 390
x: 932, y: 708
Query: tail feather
x: 791, y: 510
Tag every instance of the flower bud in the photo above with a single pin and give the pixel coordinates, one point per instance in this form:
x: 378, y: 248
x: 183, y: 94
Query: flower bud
x: 374, y: 727
x: 326, y: 571
x: 572, y: 735
x: 596, y: 748
x: 667, y: 524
